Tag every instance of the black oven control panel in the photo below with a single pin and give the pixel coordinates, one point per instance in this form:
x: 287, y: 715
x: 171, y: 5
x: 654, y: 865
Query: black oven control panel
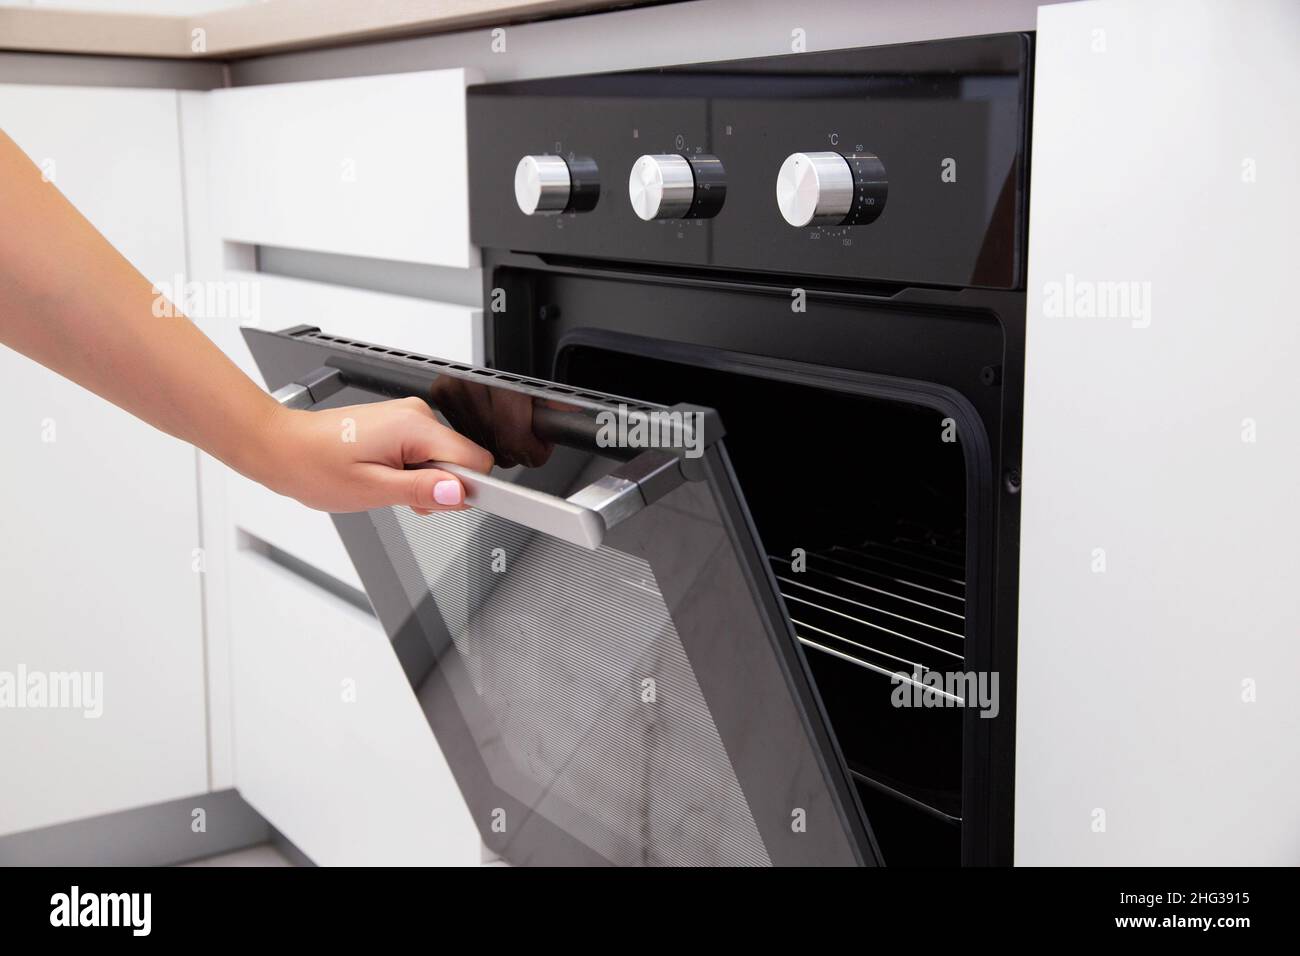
x: 901, y: 164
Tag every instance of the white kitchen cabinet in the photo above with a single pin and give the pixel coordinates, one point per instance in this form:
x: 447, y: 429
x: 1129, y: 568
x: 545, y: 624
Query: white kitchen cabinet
x: 348, y: 783
x: 1156, y: 713
x: 368, y: 166
x: 333, y: 748
x: 100, y: 522
x: 255, y: 176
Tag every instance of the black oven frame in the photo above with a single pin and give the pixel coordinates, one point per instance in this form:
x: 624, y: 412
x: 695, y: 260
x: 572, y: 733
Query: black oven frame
x: 532, y: 328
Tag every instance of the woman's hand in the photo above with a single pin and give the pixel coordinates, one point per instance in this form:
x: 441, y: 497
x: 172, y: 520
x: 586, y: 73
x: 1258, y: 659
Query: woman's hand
x: 354, y: 458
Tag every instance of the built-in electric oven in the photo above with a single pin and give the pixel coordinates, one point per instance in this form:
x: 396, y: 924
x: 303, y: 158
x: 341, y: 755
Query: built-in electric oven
x: 742, y: 587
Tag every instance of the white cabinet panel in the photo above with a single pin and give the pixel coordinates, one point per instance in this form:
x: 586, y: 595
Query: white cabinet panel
x: 1157, y: 718
x: 292, y: 527
x: 332, y: 747
x: 439, y: 329
x: 369, y: 166
x: 349, y: 783
x: 204, y: 251
x: 101, y: 518
x: 115, y: 154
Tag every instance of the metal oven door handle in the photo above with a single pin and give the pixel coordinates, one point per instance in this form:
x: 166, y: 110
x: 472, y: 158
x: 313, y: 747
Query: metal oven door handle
x: 548, y: 514
x: 584, y: 517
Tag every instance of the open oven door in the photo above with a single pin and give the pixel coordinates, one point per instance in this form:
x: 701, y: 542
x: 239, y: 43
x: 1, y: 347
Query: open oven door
x: 597, y: 642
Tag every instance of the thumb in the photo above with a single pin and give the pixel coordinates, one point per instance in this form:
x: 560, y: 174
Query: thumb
x: 424, y: 490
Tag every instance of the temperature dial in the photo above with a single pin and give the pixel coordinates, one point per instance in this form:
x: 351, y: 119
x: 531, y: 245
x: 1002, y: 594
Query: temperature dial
x: 547, y: 185
x: 831, y: 189
x: 673, y: 186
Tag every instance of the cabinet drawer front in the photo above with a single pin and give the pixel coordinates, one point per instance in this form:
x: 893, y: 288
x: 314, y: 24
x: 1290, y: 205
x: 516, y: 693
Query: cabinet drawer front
x: 332, y: 747
x: 370, y: 166
x: 444, y: 329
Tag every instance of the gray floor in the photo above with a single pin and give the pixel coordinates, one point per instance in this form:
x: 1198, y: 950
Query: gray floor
x: 262, y: 855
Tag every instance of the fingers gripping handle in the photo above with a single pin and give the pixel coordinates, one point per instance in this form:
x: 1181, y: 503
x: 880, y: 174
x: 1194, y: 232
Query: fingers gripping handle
x: 583, y: 518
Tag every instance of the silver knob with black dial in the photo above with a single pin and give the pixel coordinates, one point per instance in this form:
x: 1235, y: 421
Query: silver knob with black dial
x: 548, y: 185
x: 831, y: 189
x: 674, y: 186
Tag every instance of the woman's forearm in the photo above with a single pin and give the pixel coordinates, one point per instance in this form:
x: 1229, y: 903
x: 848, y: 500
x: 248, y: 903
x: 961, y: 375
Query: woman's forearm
x: 70, y: 301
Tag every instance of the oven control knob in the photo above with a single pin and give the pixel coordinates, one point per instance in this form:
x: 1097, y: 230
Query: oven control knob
x: 673, y: 186
x: 819, y: 189
x: 546, y: 185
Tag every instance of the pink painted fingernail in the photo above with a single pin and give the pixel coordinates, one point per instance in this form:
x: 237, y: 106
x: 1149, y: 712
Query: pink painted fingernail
x: 447, y: 492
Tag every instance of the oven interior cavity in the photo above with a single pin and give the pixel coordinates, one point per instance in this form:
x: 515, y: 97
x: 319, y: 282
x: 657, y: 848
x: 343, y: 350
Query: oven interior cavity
x: 860, y: 503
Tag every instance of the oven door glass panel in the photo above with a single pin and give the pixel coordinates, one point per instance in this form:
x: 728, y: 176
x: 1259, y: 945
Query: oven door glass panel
x: 598, y: 644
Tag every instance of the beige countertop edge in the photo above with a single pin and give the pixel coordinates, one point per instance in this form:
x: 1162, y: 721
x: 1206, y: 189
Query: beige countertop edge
x: 274, y: 26
x: 61, y: 31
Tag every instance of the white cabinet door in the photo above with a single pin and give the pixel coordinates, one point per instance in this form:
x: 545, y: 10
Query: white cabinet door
x: 100, y: 520
x: 1157, y: 719
x: 333, y: 748
x: 368, y: 166
x: 347, y: 782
